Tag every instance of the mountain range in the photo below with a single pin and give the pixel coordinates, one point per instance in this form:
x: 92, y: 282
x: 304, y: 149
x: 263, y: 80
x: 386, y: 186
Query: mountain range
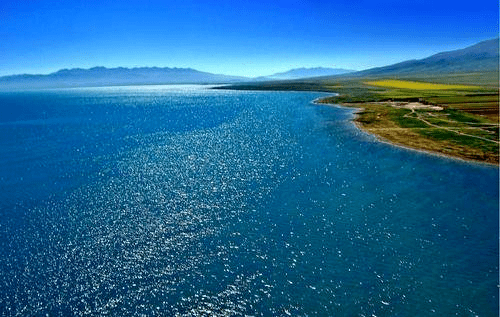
x: 298, y: 73
x: 481, y: 57
x: 102, y: 76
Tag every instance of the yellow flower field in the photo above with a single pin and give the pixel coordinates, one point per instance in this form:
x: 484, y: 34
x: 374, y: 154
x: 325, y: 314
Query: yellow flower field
x: 404, y: 84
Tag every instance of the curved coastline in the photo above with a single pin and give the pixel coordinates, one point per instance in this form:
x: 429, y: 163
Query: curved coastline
x: 385, y: 140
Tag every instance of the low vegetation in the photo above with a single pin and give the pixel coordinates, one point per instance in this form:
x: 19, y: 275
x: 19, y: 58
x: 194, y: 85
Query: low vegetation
x: 456, y: 120
x: 451, y: 114
x: 414, y: 85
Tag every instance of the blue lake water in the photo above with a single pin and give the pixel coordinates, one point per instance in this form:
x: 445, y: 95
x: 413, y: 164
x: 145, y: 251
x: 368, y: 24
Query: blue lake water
x: 185, y: 201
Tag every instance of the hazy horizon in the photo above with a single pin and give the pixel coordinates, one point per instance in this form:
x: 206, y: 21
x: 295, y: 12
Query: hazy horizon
x: 248, y: 39
x: 173, y: 67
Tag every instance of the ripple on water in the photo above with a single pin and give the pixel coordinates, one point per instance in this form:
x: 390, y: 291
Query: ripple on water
x: 266, y: 212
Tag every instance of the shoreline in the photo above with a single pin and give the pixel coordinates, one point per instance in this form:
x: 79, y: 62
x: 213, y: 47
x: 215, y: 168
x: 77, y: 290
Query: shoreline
x: 384, y: 140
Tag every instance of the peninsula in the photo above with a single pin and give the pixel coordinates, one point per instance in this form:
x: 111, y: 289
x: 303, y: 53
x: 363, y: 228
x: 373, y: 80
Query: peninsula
x: 447, y: 103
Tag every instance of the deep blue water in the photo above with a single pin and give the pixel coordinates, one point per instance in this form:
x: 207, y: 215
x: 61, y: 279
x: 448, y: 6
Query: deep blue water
x: 194, y: 202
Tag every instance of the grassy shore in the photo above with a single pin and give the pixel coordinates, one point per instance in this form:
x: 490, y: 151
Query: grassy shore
x: 455, y: 115
x: 455, y: 120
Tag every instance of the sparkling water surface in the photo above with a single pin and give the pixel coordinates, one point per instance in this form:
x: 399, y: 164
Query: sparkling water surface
x: 186, y: 201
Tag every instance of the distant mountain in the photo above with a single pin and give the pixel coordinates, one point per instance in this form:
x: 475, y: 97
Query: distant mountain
x: 305, y: 73
x: 101, y: 76
x: 480, y: 57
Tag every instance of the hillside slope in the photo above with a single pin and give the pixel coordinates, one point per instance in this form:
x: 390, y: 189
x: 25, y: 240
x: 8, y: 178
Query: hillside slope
x: 481, y: 57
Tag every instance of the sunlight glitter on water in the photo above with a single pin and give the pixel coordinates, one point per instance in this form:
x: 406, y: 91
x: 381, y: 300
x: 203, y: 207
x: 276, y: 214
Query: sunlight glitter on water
x: 234, y: 203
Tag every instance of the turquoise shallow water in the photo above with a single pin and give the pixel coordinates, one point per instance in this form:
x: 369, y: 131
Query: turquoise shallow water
x: 192, y: 202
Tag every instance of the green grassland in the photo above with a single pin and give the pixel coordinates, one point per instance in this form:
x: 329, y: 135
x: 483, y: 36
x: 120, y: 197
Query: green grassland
x: 466, y: 126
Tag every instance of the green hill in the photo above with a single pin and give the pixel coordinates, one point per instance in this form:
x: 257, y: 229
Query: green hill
x: 481, y: 57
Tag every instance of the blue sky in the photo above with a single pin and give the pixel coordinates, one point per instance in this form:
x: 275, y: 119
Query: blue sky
x: 238, y: 37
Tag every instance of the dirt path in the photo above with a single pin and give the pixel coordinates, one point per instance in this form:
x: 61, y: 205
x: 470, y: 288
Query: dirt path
x: 419, y: 117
